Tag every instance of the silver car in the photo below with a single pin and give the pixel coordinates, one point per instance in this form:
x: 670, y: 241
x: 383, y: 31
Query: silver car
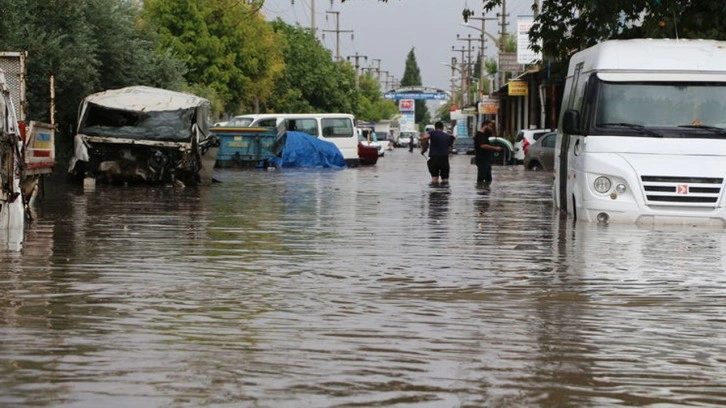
x: 541, y: 154
x: 524, y: 139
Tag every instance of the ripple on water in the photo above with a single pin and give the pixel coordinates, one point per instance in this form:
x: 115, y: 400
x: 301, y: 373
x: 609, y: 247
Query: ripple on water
x: 356, y: 287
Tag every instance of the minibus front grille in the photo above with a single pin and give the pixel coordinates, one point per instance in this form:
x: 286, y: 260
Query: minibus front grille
x: 688, y: 191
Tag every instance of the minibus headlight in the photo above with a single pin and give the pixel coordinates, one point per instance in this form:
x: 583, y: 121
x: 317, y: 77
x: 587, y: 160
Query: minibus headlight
x: 602, y: 184
x: 620, y: 188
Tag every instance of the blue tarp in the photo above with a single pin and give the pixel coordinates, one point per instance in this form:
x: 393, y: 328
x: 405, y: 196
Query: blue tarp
x: 302, y: 150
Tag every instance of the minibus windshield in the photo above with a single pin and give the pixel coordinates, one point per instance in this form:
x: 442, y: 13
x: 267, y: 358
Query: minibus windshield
x: 683, y: 107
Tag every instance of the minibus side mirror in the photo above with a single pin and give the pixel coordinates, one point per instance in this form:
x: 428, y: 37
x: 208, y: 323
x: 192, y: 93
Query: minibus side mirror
x: 571, y: 122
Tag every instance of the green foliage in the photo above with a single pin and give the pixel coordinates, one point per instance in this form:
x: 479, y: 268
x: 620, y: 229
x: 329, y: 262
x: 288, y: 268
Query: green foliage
x: 443, y: 113
x: 87, y: 46
x: 311, y: 81
x: 567, y: 26
x: 372, y: 107
x: 226, y: 44
x: 509, y: 43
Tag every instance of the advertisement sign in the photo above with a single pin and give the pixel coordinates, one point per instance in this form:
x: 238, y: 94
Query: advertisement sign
x: 508, y: 62
x: 488, y: 106
x: 437, y: 96
x: 406, y: 105
x: 407, y: 122
x: 407, y: 109
x: 517, y: 88
x: 525, y: 55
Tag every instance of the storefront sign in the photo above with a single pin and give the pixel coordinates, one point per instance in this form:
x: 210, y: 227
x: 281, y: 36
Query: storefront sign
x: 517, y: 88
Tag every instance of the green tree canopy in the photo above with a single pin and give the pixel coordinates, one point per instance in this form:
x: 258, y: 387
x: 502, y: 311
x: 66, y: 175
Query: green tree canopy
x: 311, y: 81
x: 88, y: 46
x: 372, y: 107
x: 567, y: 26
x: 226, y: 44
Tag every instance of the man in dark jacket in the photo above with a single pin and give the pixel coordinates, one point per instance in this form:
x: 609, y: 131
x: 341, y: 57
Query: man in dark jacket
x: 483, y: 151
x: 439, y: 145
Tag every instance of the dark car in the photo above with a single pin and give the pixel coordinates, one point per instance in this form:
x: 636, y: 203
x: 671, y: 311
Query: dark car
x: 463, y: 145
x: 368, y: 155
x: 541, y: 154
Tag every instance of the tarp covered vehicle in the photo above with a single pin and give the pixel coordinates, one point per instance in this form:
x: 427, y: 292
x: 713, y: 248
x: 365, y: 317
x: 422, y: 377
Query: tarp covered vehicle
x: 144, y: 134
x: 299, y: 149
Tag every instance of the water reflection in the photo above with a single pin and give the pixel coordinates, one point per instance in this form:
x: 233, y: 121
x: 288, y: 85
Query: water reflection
x: 438, y: 202
x: 357, y: 287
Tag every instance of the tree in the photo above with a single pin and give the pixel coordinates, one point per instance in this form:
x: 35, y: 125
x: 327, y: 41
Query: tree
x: 87, y: 46
x: 311, y: 81
x: 373, y: 108
x: 412, y: 77
x: 567, y: 26
x: 226, y: 44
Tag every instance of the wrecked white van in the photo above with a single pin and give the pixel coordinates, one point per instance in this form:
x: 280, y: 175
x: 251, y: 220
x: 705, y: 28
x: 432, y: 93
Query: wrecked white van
x: 144, y: 134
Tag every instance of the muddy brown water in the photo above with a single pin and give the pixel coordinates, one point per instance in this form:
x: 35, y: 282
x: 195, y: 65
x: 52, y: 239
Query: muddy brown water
x: 363, y: 287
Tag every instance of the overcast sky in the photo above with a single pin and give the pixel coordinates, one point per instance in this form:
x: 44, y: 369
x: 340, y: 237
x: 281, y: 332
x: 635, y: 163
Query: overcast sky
x: 388, y: 31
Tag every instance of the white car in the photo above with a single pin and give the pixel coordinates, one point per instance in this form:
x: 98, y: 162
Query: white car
x: 404, y: 139
x: 524, y: 139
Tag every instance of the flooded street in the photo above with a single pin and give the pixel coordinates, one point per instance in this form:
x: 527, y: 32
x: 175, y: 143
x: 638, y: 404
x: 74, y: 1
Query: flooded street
x: 363, y: 287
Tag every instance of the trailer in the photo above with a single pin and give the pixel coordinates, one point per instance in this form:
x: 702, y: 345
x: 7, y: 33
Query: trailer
x: 245, y: 146
x: 27, y: 150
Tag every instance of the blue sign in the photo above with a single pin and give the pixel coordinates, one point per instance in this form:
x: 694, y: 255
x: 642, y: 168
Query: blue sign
x: 416, y: 95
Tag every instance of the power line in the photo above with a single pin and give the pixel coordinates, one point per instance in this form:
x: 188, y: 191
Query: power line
x: 337, y: 32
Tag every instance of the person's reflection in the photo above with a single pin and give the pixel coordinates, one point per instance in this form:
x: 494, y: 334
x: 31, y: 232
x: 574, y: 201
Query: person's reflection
x: 482, y: 200
x: 438, y: 202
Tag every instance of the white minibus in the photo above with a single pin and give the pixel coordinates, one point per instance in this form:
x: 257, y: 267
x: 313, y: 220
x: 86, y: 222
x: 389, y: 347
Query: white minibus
x: 338, y: 128
x: 642, y: 133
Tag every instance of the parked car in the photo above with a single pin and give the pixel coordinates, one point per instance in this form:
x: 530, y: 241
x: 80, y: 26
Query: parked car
x: 368, y: 137
x: 463, y: 145
x: 541, y: 154
x: 404, y: 138
x: 368, y: 155
x: 523, y: 140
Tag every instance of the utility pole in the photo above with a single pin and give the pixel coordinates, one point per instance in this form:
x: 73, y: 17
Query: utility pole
x: 378, y: 68
x: 312, y: 14
x: 383, y: 83
x: 337, y: 32
x: 357, y: 66
x: 452, y: 81
x: 469, y: 63
x: 464, y: 98
x: 503, y: 37
x: 482, y: 49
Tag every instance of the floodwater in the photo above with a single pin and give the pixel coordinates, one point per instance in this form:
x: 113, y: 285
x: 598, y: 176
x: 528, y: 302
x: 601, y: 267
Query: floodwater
x: 363, y: 287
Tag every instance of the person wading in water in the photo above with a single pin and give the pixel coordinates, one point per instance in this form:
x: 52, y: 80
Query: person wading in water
x: 438, y: 143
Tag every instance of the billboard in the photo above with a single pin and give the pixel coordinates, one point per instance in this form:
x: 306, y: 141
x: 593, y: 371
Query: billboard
x: 407, y: 108
x: 525, y: 55
x: 406, y: 105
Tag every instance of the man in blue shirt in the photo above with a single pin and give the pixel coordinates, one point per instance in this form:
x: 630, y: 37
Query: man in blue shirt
x: 439, y: 145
